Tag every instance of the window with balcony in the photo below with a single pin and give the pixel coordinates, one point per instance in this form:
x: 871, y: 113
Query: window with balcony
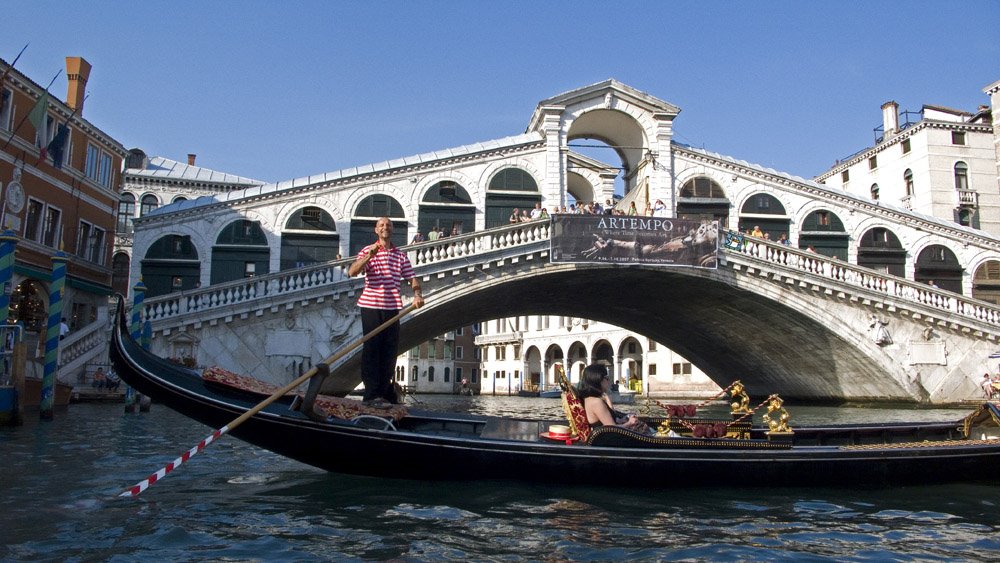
x: 961, y: 176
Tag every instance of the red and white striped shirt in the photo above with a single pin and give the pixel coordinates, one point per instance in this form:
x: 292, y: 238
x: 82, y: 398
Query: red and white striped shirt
x: 382, y: 276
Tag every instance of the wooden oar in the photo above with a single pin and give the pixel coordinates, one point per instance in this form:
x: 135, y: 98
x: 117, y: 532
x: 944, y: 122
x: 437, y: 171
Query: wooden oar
x: 143, y: 485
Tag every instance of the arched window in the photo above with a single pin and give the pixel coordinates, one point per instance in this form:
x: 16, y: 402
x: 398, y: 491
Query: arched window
x: 430, y: 374
x: 367, y: 213
x: 126, y: 212
x: 513, y: 179
x: 179, y: 199
x: 908, y: 181
x: 310, y: 237
x: 509, y: 188
x: 875, y: 192
x: 961, y: 176
x: 702, y: 187
x: 149, y: 203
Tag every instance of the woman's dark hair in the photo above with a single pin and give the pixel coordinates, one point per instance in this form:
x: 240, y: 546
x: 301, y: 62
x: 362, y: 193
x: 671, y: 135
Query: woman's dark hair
x: 590, y: 381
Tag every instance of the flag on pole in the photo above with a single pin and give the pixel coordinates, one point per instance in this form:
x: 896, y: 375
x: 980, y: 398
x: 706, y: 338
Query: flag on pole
x: 39, y: 117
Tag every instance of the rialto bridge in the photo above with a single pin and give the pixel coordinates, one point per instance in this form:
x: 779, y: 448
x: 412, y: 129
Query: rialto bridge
x: 781, y: 319
x: 245, y: 280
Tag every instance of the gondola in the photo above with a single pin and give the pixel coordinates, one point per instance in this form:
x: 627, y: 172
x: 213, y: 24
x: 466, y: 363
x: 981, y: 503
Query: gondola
x: 424, y: 444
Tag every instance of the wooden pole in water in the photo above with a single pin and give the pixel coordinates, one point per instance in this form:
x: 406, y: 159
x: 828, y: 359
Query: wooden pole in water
x: 143, y: 485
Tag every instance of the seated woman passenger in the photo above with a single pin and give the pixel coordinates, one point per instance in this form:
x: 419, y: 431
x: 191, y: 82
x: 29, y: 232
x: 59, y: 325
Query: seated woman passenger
x: 593, y: 392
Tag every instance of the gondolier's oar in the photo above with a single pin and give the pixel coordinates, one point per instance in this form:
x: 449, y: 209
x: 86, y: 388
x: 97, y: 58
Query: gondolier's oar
x: 143, y: 485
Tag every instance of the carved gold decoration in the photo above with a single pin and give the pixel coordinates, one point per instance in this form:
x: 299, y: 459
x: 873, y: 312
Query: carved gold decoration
x: 741, y: 402
x: 777, y: 417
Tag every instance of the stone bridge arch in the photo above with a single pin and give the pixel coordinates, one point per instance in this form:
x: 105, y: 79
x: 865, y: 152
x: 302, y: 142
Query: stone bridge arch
x: 774, y: 342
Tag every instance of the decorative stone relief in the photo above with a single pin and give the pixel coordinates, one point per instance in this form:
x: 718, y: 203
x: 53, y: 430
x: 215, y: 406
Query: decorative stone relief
x: 343, y: 319
x: 879, y: 332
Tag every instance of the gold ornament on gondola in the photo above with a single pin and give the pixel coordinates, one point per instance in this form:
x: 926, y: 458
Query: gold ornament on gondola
x: 741, y: 402
x: 777, y: 417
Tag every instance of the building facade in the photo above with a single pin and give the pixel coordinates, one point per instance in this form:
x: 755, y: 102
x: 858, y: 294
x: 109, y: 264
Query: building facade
x: 59, y: 176
x: 147, y: 184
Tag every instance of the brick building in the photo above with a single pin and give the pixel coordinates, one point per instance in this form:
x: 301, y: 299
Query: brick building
x: 57, y: 199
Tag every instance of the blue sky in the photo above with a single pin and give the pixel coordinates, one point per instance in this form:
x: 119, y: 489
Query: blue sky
x: 280, y: 90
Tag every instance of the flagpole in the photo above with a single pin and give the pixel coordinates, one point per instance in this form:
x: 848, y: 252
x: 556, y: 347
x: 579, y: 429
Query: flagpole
x: 25, y: 118
x: 11, y: 65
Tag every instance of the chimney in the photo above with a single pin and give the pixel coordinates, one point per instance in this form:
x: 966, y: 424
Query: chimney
x: 191, y: 158
x: 77, y: 73
x: 890, y: 118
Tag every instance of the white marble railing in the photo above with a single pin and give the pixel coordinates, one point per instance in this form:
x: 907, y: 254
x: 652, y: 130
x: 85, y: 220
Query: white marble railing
x: 288, y: 283
x: 857, y: 276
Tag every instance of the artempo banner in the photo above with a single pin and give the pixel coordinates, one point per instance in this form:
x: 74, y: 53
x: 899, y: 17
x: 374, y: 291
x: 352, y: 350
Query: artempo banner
x: 621, y: 239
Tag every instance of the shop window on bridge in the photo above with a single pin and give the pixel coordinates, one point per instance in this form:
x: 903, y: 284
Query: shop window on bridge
x: 509, y: 188
x: 939, y: 264
x: 309, y: 237
x: 240, y: 243
x: 170, y: 257
x: 367, y: 213
x: 824, y: 232
x: 880, y: 250
x: 447, y: 206
x: 766, y: 212
x: 986, y: 282
x: 703, y: 198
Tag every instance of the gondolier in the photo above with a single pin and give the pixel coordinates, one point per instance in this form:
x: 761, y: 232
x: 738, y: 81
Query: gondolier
x: 384, y: 266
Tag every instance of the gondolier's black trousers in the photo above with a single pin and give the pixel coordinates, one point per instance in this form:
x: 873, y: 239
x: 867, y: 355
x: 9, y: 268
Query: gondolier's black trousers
x: 378, y: 356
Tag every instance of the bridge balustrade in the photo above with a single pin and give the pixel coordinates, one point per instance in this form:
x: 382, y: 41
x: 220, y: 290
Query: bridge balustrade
x: 857, y: 276
x: 288, y: 282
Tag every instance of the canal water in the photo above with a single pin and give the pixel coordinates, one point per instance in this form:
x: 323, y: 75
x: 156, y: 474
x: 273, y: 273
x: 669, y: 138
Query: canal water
x: 59, y: 483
